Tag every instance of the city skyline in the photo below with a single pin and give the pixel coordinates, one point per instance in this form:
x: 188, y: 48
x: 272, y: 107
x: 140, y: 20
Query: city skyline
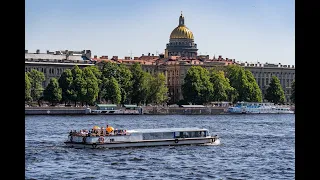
x: 252, y: 31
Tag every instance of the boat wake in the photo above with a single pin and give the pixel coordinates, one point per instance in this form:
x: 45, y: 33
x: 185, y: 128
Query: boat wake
x: 215, y: 143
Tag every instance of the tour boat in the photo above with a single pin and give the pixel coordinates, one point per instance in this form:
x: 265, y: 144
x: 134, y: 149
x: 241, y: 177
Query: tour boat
x: 258, y: 108
x: 141, y: 138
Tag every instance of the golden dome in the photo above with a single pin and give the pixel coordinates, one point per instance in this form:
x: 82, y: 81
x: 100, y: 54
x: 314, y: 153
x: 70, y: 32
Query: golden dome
x: 181, y: 32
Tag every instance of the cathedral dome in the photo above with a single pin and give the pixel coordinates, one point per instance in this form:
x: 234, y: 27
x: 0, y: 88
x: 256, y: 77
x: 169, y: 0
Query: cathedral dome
x: 181, y: 32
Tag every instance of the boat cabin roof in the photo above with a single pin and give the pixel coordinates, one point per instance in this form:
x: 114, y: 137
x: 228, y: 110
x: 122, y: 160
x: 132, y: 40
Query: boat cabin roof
x: 166, y: 130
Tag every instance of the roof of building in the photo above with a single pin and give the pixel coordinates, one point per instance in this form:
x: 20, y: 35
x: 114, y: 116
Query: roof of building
x: 130, y: 105
x: 106, y: 105
x: 60, y: 63
x: 54, y: 56
x: 165, y: 130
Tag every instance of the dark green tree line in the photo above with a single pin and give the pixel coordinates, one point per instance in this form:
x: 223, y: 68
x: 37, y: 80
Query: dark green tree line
x: 275, y: 93
x: 113, y: 82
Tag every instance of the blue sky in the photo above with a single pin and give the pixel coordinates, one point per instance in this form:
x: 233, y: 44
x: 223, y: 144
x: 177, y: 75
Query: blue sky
x: 248, y: 30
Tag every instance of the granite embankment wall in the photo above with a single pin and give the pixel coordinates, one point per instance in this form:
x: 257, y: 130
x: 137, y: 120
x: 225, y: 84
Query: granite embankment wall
x: 184, y: 111
x: 56, y: 111
x: 146, y: 110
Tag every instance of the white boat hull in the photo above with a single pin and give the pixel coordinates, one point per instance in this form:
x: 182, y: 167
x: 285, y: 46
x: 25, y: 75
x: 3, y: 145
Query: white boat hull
x: 236, y: 110
x: 146, y: 143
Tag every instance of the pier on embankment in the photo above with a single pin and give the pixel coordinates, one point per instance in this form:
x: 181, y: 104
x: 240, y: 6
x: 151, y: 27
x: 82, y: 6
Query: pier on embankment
x: 148, y: 110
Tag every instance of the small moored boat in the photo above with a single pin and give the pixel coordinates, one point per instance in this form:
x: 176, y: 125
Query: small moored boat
x: 258, y: 108
x: 141, y: 138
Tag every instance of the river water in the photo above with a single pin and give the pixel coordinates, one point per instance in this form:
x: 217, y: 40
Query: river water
x: 252, y: 147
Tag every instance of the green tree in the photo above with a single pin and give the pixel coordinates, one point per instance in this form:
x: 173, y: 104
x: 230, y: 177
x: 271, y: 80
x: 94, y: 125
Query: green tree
x: 275, y: 92
x: 96, y: 71
x: 232, y: 94
x: 109, y: 70
x: 255, y: 91
x: 65, y: 82
x: 197, y: 88
x: 293, y: 95
x: 36, y: 79
x: 52, y: 93
x: 124, y: 78
x: 91, y: 85
x: 244, y: 84
x: 112, y: 90
x: 222, y: 89
x: 79, y: 89
x: 148, y: 89
x: 27, y: 86
x: 139, y: 84
x: 122, y: 74
x: 158, y: 89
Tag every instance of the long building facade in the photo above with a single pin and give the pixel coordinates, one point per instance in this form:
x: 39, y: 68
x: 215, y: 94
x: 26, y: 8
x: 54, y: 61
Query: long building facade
x: 52, y: 64
x: 264, y: 72
x: 180, y: 54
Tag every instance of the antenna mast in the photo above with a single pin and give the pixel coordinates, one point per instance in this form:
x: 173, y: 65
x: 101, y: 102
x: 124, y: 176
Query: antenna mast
x: 130, y: 53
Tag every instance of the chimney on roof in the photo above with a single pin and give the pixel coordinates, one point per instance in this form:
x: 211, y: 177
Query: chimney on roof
x: 38, y: 51
x: 95, y: 56
x: 26, y: 51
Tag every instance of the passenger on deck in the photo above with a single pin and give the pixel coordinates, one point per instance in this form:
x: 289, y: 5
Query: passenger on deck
x: 103, y: 131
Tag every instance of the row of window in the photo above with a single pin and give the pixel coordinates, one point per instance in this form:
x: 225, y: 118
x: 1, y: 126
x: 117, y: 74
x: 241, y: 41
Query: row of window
x: 182, y: 43
x: 55, y: 71
x: 151, y: 71
x: 173, y: 91
x: 171, y: 81
x: 268, y: 74
x: 266, y: 81
x: 173, y: 72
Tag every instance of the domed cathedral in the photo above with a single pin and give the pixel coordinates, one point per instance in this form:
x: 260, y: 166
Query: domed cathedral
x: 181, y: 42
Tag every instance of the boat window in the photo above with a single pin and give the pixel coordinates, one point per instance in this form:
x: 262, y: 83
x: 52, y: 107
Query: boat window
x: 157, y: 135
x: 186, y: 135
x: 200, y: 134
x: 191, y: 134
x: 178, y: 134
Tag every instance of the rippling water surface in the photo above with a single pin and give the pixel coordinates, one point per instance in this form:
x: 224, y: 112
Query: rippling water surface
x: 252, y: 147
